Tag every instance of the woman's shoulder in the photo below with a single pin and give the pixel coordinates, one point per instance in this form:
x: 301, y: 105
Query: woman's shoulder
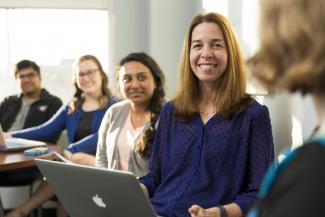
x: 314, y: 147
x: 64, y: 108
x: 120, y: 105
x: 310, y: 156
x: 119, y: 108
x: 168, y: 105
x: 254, y: 108
x: 114, y: 99
x: 167, y: 108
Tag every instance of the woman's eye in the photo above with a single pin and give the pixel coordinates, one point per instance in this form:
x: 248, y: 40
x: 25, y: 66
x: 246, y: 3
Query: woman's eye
x: 142, y: 78
x: 218, y: 45
x: 196, y: 46
x: 126, y: 79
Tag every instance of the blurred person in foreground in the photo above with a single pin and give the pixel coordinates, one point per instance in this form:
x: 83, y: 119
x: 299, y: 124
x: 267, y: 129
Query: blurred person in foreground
x: 292, y: 58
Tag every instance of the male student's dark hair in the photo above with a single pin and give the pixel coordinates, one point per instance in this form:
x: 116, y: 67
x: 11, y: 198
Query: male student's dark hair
x: 24, y: 64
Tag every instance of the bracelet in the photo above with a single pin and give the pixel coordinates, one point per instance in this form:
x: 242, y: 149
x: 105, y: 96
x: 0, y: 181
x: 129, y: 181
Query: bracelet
x: 223, y: 211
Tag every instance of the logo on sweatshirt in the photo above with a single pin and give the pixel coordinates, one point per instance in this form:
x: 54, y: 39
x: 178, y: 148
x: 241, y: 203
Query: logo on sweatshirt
x: 42, y: 108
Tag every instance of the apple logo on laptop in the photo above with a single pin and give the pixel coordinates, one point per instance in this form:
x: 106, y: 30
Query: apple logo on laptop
x: 99, y: 201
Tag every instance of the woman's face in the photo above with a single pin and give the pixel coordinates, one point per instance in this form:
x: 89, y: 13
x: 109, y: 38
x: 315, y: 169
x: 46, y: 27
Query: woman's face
x: 208, y: 52
x: 136, y: 82
x: 88, y: 77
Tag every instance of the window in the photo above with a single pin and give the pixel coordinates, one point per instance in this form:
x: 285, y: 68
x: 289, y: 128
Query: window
x: 220, y: 6
x: 244, y: 16
x: 53, y: 38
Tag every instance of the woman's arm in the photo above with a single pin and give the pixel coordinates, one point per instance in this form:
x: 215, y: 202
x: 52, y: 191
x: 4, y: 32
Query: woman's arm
x: 260, y: 156
x: 47, y: 132
x: 85, y: 145
x: 101, y: 157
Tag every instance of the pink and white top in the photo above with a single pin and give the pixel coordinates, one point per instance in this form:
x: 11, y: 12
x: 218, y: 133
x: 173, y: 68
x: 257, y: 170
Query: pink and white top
x: 126, y: 142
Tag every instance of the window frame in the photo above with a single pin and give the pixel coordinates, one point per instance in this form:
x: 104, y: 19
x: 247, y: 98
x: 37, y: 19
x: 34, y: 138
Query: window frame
x: 58, y: 4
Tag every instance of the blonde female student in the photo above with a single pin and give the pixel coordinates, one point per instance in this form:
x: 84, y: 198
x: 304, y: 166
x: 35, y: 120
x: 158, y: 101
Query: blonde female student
x: 81, y: 118
x: 128, y: 129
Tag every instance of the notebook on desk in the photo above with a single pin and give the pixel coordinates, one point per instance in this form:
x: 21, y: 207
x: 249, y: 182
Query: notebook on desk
x: 17, y: 144
x: 88, y: 191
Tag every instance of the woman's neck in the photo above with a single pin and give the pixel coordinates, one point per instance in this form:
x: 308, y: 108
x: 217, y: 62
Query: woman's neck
x: 92, y: 96
x: 207, y: 105
x: 319, y: 101
x: 91, y: 103
x: 139, y: 115
x: 208, y: 93
x: 139, y: 108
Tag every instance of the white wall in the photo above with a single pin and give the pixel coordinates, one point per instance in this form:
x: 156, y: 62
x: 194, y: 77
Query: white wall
x: 169, y: 22
x: 128, y: 30
x: 153, y: 26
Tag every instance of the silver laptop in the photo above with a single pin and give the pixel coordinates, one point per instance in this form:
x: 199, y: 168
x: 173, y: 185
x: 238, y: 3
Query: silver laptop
x: 17, y: 144
x: 88, y: 191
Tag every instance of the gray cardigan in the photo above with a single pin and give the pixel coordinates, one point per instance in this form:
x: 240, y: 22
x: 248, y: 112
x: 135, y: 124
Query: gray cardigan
x: 109, y: 131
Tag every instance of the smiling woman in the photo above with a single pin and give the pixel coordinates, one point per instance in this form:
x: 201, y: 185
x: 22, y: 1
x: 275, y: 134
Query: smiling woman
x: 128, y: 129
x: 213, y: 142
x: 137, y: 83
x: 208, y: 55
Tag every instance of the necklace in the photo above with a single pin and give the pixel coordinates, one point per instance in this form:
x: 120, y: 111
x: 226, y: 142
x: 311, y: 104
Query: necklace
x: 208, y: 113
x: 140, y: 116
x: 138, y: 119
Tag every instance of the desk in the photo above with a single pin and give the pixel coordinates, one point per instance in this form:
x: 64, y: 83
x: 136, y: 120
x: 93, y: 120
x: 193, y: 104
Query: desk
x: 11, y: 161
x: 17, y: 160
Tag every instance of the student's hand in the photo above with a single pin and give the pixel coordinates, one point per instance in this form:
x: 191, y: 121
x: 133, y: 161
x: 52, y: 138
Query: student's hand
x: 197, y: 211
x: 83, y: 159
x: 233, y: 210
x: 67, y: 154
x: 6, y: 135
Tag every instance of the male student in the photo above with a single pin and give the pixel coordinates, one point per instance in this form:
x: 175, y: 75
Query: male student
x: 33, y: 106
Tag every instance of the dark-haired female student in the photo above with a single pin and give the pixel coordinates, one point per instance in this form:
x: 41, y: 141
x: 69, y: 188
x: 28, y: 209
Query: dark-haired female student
x: 128, y: 129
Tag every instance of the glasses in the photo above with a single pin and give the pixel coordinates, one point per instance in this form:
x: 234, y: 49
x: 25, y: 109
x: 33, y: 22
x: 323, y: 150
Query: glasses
x: 89, y: 73
x: 29, y: 75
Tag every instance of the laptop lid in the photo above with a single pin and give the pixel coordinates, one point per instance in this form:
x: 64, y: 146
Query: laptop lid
x: 87, y: 191
x: 17, y: 144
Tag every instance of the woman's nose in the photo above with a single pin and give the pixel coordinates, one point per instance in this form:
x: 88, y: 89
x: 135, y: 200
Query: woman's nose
x: 135, y: 83
x: 206, y: 52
